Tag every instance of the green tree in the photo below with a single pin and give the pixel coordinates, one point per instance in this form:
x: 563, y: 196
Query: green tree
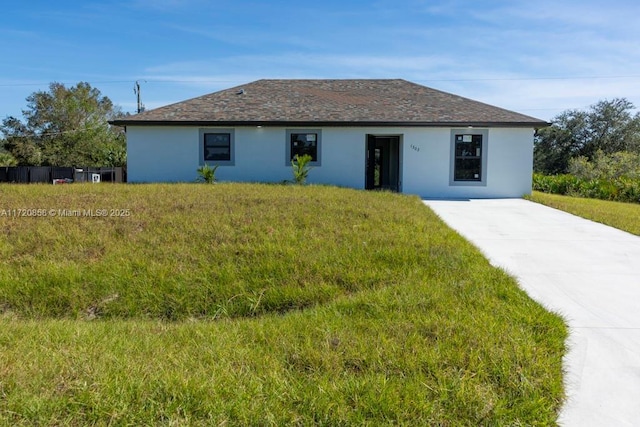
x: 7, y: 159
x: 608, y: 127
x: 20, y: 142
x: 66, y: 127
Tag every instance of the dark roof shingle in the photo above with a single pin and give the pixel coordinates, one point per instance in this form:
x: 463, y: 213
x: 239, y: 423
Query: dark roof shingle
x: 331, y: 102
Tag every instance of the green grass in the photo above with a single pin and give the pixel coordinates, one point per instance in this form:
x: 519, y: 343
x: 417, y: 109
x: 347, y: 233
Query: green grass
x: 240, y: 304
x: 619, y: 189
x: 624, y: 216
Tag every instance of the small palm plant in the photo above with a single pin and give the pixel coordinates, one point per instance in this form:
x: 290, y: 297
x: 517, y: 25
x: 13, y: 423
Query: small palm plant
x: 7, y: 159
x: 207, y: 174
x: 301, y: 168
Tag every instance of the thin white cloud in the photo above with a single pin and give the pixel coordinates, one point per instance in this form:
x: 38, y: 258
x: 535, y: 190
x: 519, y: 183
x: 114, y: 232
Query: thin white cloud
x: 296, y: 65
x: 571, y: 13
x: 453, y: 45
x: 14, y: 34
x: 166, y: 5
x: 229, y: 34
x: 547, y: 98
x: 518, y: 91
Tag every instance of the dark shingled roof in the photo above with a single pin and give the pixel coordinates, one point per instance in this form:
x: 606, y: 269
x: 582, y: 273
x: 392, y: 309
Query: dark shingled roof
x: 331, y: 103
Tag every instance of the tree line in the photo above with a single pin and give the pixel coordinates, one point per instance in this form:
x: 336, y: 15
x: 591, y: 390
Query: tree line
x: 64, y: 126
x: 593, y: 153
x: 596, y: 134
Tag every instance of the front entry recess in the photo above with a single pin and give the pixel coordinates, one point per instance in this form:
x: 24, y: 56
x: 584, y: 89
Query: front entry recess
x: 383, y: 163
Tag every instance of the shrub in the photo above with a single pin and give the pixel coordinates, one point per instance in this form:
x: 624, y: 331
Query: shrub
x: 6, y: 159
x: 613, y: 176
x: 620, y: 189
x: 207, y: 174
x: 556, y: 184
x: 301, y: 168
x: 606, y: 166
x: 582, y: 167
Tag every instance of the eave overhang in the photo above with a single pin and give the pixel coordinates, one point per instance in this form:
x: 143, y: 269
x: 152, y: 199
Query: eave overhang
x: 310, y: 124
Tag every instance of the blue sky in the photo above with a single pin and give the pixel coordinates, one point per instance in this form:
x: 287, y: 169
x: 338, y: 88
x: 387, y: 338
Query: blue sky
x: 535, y: 57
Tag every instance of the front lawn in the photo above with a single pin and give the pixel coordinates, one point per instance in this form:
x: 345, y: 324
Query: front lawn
x: 242, y: 304
x: 624, y: 216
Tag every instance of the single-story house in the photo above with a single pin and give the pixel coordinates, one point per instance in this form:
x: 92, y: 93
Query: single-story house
x: 365, y: 134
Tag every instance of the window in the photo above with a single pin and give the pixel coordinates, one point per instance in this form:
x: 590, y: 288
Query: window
x: 304, y: 143
x: 468, y: 165
x: 468, y: 157
x: 301, y: 142
x: 217, y: 146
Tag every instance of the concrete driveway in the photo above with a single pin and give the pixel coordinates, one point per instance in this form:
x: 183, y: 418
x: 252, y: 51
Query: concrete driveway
x: 587, y: 272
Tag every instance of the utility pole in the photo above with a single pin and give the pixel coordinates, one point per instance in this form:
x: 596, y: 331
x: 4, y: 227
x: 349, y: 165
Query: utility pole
x: 136, y: 90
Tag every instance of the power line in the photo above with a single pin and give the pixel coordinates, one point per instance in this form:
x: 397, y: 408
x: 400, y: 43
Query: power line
x: 122, y: 81
x: 475, y: 79
x: 64, y: 83
x: 56, y: 133
x: 501, y: 79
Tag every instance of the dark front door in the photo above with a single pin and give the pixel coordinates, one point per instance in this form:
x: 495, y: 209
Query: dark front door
x: 383, y: 163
